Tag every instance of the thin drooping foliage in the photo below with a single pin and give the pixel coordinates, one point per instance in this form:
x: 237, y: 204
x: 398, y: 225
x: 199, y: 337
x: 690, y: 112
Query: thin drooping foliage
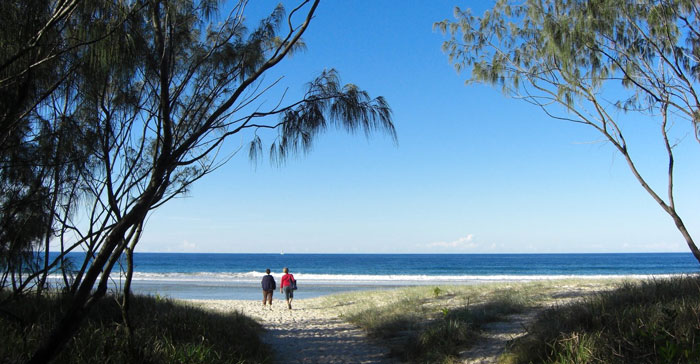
x: 39, y: 158
x: 139, y: 100
x: 584, y: 61
x: 47, y: 147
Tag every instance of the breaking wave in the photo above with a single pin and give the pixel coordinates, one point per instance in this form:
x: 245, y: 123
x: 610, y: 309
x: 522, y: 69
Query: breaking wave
x: 255, y: 276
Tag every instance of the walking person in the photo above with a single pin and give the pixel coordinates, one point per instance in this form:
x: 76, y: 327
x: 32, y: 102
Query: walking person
x: 287, y: 286
x: 268, y: 286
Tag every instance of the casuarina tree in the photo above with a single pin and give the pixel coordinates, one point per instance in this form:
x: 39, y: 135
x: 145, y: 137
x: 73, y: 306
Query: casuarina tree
x: 35, y: 167
x: 160, y: 96
x: 46, y: 148
x: 593, y: 62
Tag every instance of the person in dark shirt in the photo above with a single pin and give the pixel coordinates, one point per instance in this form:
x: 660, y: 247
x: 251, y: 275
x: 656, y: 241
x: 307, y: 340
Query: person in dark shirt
x: 268, y: 287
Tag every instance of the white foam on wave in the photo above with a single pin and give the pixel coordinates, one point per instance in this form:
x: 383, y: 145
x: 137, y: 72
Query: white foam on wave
x: 255, y: 276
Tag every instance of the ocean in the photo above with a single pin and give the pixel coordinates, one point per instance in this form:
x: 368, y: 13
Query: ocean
x: 237, y: 276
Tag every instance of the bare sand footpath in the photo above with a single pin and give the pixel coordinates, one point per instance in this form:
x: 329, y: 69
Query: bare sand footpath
x: 309, y: 333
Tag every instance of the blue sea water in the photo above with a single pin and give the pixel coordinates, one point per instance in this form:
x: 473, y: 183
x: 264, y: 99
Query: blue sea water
x: 237, y: 276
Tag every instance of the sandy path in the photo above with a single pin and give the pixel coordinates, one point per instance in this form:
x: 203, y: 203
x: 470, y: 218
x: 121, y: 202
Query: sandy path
x: 309, y: 333
x: 495, y: 337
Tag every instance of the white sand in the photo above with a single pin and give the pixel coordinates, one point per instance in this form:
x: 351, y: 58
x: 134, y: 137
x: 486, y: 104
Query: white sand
x: 309, y: 333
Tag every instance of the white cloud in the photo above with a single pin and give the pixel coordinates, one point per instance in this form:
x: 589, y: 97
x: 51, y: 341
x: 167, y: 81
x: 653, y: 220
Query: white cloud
x: 466, y: 242
x: 186, y: 246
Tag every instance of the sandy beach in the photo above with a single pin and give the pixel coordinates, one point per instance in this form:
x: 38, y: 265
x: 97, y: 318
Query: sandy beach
x: 314, y: 332
x: 309, y: 333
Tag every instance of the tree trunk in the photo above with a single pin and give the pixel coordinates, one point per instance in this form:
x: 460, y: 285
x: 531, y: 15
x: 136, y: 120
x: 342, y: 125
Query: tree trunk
x: 49, y: 224
x: 84, y: 298
x: 686, y: 235
x: 669, y: 208
x: 126, y: 304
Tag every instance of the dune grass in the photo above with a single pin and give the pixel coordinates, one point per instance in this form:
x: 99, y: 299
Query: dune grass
x: 576, y: 321
x: 434, y: 324
x: 164, y: 331
x: 655, y: 321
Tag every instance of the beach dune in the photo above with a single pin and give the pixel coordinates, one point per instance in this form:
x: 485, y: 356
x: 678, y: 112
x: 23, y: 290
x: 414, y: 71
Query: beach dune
x: 314, y: 331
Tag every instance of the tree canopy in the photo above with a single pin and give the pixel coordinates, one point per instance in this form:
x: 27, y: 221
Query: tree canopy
x: 567, y: 57
x: 131, y: 102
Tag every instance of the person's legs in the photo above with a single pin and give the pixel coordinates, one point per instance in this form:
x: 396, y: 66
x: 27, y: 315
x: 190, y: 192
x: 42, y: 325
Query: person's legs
x: 288, y: 294
x: 269, y: 298
x: 264, y: 297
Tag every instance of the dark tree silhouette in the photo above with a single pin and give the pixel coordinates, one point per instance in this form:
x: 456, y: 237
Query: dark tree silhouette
x: 149, y: 94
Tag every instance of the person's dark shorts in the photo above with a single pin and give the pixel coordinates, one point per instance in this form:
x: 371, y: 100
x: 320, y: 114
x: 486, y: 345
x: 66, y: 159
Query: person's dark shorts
x: 288, y: 292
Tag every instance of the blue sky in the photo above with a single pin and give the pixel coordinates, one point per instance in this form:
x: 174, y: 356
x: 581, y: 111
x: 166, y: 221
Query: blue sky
x: 473, y: 171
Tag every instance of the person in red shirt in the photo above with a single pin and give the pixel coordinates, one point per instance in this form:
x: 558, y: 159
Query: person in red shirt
x: 286, y: 286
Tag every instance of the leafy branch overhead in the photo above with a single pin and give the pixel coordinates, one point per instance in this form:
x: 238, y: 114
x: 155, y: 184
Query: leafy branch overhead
x: 326, y: 104
x: 583, y: 61
x: 567, y: 51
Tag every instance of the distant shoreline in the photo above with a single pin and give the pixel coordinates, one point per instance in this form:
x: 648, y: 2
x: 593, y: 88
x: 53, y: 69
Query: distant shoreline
x: 251, y: 290
x: 238, y: 276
